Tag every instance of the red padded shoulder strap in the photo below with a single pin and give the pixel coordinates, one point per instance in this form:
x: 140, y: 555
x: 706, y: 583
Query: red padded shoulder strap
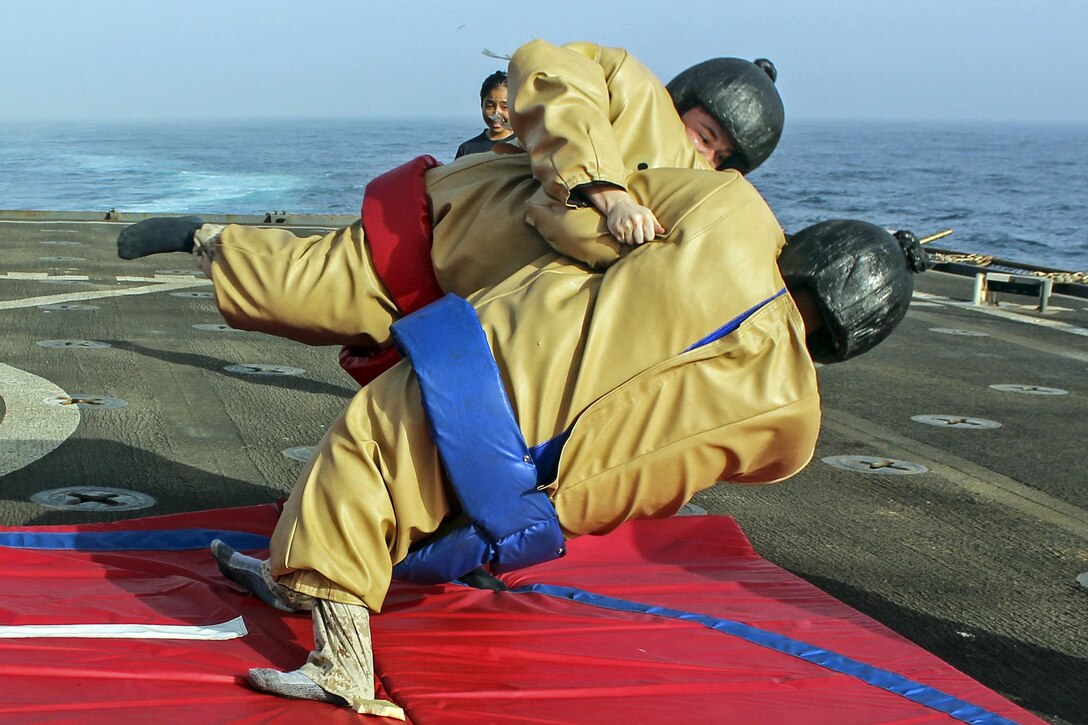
x: 397, y: 221
x: 365, y: 364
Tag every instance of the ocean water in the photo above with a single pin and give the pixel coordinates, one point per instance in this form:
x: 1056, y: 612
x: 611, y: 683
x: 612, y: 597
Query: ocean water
x: 1014, y: 191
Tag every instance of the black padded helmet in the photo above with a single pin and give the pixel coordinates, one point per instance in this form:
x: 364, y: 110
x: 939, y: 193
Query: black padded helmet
x: 742, y: 97
x: 861, y: 277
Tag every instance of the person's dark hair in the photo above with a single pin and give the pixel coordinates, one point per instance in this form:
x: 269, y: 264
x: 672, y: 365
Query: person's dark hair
x: 493, y: 81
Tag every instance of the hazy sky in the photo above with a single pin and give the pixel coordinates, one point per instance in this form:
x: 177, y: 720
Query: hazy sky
x: 837, y: 59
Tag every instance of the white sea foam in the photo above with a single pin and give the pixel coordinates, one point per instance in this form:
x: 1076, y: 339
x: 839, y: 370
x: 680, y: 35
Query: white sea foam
x: 207, y: 191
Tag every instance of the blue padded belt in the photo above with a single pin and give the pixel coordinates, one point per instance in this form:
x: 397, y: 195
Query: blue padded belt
x: 485, y: 456
x: 481, y: 446
x: 445, y: 557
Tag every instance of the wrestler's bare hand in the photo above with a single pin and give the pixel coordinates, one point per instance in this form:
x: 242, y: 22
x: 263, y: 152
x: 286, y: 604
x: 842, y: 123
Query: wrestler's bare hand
x: 628, y: 221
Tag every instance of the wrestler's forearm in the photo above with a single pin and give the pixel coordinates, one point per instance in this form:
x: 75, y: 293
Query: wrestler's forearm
x: 628, y: 221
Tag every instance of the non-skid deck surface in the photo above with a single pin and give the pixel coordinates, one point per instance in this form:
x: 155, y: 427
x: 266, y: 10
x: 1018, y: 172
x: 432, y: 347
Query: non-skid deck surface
x: 675, y: 620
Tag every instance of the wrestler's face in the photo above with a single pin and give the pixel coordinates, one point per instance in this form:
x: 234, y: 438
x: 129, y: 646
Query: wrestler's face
x: 817, y: 334
x: 496, y: 117
x: 711, y: 140
x: 810, y: 311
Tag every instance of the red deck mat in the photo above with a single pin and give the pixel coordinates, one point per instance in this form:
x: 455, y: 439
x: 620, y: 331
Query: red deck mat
x: 452, y: 654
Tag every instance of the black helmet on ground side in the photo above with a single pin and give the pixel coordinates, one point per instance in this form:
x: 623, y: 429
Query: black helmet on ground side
x: 861, y: 278
x: 742, y: 97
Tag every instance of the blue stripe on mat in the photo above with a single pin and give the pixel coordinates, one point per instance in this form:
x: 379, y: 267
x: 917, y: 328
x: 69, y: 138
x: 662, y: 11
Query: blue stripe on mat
x: 889, y: 681
x: 132, y: 540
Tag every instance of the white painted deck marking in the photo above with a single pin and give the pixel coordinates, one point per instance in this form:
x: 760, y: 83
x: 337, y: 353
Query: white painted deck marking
x: 162, y: 286
x: 30, y: 430
x: 45, y: 276
x: 39, y: 222
x: 163, y: 278
x: 299, y: 453
x: 1057, y: 325
x: 232, y: 629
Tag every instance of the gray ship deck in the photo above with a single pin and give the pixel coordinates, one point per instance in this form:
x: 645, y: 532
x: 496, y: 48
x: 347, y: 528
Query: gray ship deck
x: 976, y: 558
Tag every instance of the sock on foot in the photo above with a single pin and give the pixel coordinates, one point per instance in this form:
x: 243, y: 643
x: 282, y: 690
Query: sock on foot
x: 246, y: 571
x: 291, y: 684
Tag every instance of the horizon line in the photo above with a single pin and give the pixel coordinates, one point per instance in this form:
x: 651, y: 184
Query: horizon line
x: 474, y: 119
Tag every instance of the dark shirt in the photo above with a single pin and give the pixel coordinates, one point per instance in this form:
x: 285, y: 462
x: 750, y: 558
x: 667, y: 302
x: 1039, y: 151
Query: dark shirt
x: 479, y: 145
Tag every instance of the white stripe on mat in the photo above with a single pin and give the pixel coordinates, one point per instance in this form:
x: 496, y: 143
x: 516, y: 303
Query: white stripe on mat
x: 233, y: 629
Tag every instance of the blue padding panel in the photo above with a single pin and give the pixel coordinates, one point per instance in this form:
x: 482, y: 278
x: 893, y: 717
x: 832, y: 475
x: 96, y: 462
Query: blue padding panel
x: 444, y: 558
x: 735, y: 322
x: 481, y: 446
x: 546, y: 456
x: 889, y: 681
x: 493, y: 472
x: 133, y: 540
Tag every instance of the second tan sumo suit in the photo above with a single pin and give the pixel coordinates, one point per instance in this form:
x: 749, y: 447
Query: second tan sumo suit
x: 605, y: 355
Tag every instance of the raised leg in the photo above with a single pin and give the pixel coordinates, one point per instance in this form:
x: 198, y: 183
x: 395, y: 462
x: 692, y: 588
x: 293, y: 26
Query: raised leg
x: 253, y: 575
